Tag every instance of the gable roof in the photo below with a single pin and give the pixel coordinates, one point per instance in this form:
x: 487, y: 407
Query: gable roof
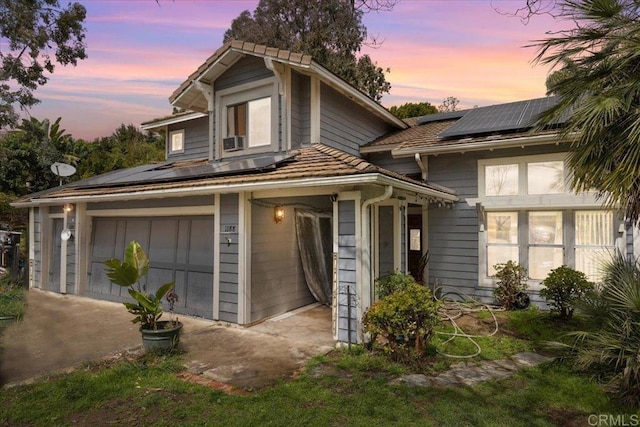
x: 316, y: 165
x: 188, y: 95
x: 484, y: 128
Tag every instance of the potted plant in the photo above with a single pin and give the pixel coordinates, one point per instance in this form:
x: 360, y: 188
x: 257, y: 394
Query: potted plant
x: 157, y: 336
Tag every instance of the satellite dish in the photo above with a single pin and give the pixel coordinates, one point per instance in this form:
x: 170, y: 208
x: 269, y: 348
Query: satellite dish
x: 62, y: 169
x: 65, y: 234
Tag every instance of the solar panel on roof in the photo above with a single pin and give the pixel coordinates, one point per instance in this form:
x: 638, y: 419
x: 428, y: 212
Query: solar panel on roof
x: 429, y: 118
x: 164, y: 172
x: 499, y: 118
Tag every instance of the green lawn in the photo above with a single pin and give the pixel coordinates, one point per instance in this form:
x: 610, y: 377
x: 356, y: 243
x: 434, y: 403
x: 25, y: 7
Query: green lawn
x: 344, y: 388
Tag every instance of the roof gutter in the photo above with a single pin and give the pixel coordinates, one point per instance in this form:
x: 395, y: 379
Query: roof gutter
x: 373, y: 178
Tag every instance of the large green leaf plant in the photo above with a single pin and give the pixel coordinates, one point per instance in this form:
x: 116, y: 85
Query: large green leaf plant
x: 147, y: 307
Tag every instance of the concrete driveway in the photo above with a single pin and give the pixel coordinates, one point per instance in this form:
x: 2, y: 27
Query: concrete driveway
x: 60, y: 332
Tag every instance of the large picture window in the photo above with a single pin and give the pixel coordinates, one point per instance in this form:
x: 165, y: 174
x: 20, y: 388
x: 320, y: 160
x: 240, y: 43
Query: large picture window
x: 594, y: 240
x: 543, y: 240
x: 530, y: 215
x: 502, y: 239
x: 546, y: 248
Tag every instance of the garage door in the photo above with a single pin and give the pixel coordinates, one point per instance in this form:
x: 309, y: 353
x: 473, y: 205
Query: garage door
x: 180, y: 249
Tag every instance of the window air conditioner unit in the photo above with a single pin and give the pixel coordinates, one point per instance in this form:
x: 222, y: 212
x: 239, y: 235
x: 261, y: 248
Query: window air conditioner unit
x: 233, y: 143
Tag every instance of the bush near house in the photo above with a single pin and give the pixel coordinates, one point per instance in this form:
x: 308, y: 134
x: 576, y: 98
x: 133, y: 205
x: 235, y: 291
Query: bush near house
x: 392, y: 282
x: 511, y: 285
x: 12, y: 297
x: 405, y: 316
x: 563, y: 287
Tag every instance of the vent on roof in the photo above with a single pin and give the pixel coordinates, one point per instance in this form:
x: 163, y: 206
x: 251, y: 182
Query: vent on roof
x: 233, y: 143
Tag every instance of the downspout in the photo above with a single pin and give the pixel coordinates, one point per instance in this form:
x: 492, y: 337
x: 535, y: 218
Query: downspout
x: 422, y: 166
x: 207, y: 92
x: 365, y: 245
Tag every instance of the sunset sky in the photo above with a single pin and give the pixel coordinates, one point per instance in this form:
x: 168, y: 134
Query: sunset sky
x: 140, y: 51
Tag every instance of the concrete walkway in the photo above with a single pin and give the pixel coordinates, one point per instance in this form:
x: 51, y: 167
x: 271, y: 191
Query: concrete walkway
x: 61, y: 332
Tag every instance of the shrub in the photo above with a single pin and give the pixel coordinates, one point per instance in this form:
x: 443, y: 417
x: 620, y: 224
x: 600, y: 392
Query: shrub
x: 12, y: 296
x: 562, y: 288
x: 404, y: 318
x: 612, y: 349
x: 392, y: 282
x: 511, y: 286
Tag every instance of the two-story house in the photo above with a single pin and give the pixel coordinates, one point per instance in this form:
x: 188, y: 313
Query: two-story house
x: 283, y: 185
x: 263, y: 204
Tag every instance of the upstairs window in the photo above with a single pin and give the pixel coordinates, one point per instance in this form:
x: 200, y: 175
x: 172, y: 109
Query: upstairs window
x: 176, y: 141
x: 522, y: 177
x: 248, y: 118
x: 501, y: 180
x: 252, y: 121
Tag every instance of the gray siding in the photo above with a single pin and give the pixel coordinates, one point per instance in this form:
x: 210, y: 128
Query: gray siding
x: 37, y: 249
x: 229, y: 258
x: 196, y: 139
x: 386, y: 247
x: 246, y: 70
x: 278, y: 283
x: 347, y: 298
x: 346, y: 125
x: 300, y: 110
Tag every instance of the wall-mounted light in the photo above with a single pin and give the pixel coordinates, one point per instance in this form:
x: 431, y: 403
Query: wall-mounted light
x: 68, y: 207
x: 278, y: 214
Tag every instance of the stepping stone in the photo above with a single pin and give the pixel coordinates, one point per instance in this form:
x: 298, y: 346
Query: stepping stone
x: 530, y: 359
x: 414, y: 380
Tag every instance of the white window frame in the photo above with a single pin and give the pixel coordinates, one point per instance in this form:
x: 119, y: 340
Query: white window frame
x: 567, y: 202
x: 170, y: 141
x: 265, y: 88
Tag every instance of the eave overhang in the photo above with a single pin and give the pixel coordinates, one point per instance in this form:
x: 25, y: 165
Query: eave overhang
x: 164, y: 122
x: 462, y: 146
x: 197, y: 190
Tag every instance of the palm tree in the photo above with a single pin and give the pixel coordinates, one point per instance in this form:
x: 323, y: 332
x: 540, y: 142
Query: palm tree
x: 599, y: 88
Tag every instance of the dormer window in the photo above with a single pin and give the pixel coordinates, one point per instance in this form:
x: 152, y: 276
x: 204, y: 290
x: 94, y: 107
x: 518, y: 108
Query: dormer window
x: 248, y: 118
x: 176, y: 141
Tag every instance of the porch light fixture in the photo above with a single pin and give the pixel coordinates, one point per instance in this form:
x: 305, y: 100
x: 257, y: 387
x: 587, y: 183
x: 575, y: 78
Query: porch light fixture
x: 278, y: 214
x: 68, y: 207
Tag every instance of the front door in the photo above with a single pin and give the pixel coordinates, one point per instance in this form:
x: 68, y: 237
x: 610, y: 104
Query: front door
x: 54, y: 268
x: 415, y: 246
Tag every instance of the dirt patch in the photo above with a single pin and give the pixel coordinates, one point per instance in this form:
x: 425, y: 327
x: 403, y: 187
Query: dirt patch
x: 567, y: 417
x: 473, y: 323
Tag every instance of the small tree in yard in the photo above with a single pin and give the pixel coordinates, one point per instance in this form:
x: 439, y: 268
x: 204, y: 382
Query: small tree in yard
x: 562, y: 288
x: 511, y: 286
x: 405, y: 317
